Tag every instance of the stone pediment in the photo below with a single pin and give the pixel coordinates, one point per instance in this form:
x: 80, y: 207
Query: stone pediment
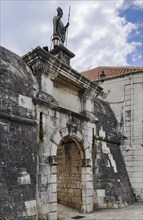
x: 46, y: 63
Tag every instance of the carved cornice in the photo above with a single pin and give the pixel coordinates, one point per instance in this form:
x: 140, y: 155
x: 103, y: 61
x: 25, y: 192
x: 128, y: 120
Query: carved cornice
x: 20, y: 119
x: 48, y: 69
x: 38, y: 68
x: 43, y: 62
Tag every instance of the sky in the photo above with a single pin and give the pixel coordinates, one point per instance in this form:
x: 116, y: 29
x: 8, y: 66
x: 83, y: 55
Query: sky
x: 101, y: 32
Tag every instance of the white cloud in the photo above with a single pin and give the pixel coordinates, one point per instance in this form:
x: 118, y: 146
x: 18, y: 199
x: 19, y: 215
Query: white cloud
x: 138, y: 3
x: 133, y: 3
x: 97, y: 34
x: 106, y: 42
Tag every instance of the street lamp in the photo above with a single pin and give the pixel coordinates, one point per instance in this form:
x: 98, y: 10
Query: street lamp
x: 102, y: 76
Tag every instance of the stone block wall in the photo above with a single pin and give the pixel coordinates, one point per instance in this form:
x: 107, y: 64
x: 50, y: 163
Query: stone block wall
x: 52, y: 150
x: 18, y: 140
x: 18, y: 156
x: 126, y: 101
x: 62, y: 173
x: 69, y: 175
x: 111, y: 181
x: 112, y: 177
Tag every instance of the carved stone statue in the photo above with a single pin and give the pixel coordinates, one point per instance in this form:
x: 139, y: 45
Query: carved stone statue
x: 59, y: 30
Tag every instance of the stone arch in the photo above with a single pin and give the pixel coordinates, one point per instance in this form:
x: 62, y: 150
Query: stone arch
x: 59, y: 134
x: 85, y: 188
x: 70, y: 159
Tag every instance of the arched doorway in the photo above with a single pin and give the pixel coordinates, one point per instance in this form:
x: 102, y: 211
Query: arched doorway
x: 70, y: 157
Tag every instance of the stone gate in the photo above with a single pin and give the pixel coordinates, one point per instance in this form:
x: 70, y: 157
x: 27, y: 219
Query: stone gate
x: 59, y: 142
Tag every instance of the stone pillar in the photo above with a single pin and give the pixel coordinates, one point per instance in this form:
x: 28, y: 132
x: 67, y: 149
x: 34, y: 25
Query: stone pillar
x: 87, y: 190
x: 47, y: 192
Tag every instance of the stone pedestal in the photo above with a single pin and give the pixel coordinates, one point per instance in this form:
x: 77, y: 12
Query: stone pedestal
x: 62, y: 53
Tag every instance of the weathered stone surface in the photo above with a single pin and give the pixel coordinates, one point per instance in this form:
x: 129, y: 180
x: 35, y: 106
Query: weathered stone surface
x: 110, y: 175
x: 18, y: 138
x: 125, y: 98
x: 57, y: 141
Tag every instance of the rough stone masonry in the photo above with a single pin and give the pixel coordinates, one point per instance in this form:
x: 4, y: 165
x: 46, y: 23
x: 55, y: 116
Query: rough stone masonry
x: 58, y: 142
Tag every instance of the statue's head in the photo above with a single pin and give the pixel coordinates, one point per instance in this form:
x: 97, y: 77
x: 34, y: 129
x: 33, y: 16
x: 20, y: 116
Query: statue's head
x: 60, y: 11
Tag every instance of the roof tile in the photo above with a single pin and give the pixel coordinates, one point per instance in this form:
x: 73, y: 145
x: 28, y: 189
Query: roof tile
x: 110, y: 71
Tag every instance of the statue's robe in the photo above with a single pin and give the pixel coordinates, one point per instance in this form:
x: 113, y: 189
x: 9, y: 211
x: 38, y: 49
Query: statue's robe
x: 58, y: 28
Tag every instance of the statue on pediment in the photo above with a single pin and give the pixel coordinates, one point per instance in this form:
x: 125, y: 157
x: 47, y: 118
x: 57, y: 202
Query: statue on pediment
x: 59, y: 30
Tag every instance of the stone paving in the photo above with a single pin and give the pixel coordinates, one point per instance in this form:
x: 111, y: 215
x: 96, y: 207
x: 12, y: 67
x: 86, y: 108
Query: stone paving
x: 132, y: 212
